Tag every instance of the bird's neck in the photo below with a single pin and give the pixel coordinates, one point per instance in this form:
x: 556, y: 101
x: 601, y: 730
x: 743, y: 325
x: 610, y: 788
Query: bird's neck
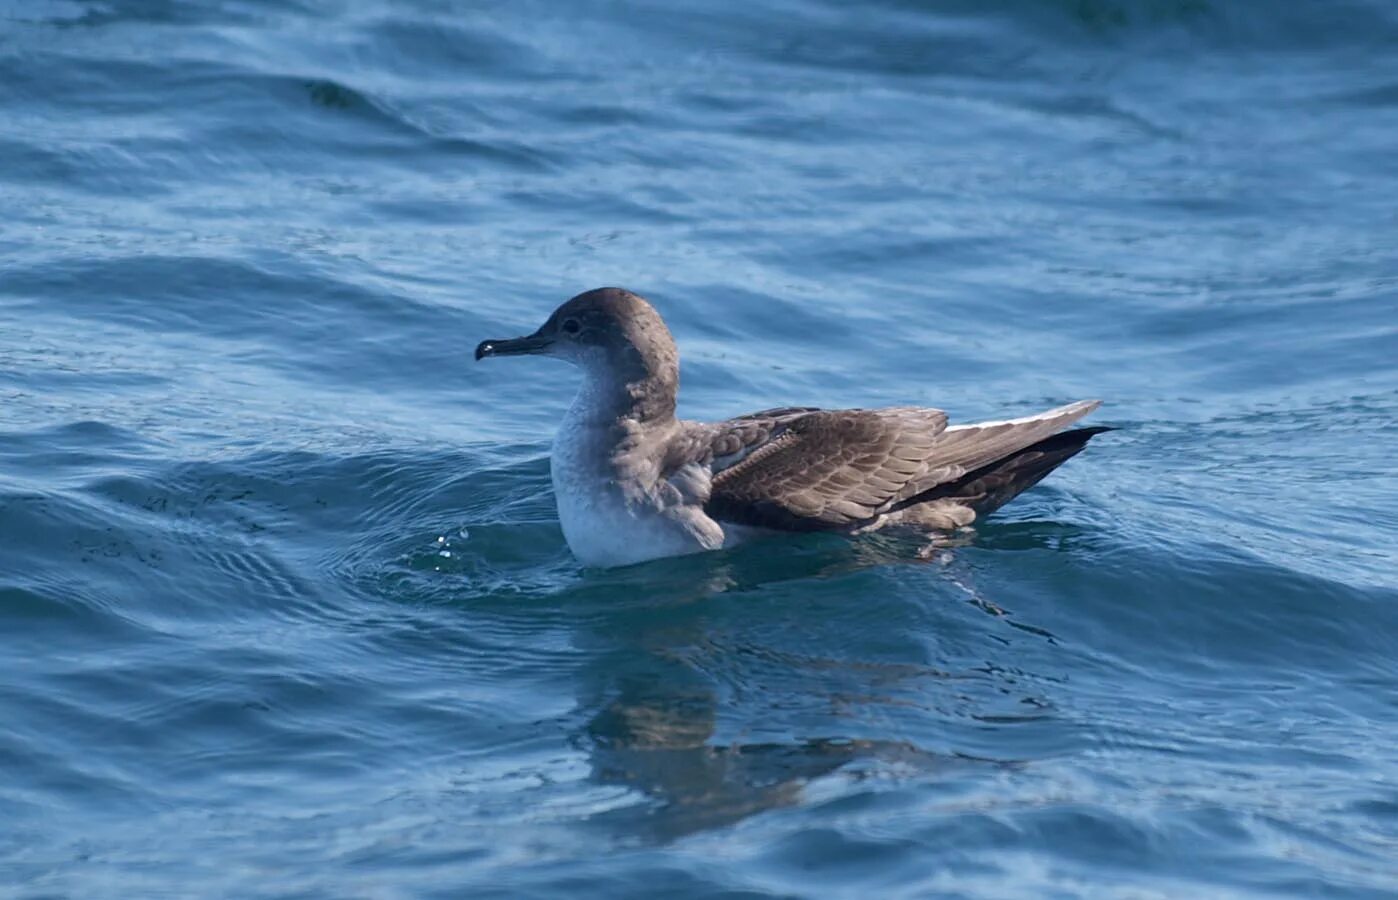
x: 627, y: 400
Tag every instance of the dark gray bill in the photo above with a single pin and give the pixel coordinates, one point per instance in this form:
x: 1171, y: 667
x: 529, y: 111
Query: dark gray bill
x: 534, y: 343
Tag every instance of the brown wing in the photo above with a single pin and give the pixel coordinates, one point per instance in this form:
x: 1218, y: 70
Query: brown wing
x: 964, y: 448
x: 987, y: 488
x: 822, y: 470
x: 819, y: 470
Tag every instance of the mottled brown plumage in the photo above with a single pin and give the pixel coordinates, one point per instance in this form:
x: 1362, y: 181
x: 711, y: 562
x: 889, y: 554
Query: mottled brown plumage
x: 818, y: 470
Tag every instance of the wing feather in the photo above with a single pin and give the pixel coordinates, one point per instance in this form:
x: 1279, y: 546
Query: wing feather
x: 807, y: 469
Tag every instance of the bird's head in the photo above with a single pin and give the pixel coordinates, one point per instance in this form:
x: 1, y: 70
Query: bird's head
x: 608, y: 331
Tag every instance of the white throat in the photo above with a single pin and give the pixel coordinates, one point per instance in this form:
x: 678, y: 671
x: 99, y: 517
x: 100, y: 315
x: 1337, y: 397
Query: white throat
x: 608, y: 503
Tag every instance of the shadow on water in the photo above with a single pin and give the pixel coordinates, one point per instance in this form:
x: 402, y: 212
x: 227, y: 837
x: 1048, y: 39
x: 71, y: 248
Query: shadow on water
x: 698, y: 712
x: 655, y: 737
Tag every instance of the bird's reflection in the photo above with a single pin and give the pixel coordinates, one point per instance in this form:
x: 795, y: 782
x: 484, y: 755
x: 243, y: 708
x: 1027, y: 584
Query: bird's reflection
x: 656, y: 739
x: 656, y: 729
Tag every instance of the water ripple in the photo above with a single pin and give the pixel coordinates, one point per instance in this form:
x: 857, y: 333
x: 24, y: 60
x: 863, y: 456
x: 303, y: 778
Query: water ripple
x: 282, y: 586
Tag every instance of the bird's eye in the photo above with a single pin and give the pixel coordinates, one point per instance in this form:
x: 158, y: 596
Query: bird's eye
x: 571, y: 326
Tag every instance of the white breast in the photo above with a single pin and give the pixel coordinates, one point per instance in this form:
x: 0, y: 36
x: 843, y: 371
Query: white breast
x: 606, y: 525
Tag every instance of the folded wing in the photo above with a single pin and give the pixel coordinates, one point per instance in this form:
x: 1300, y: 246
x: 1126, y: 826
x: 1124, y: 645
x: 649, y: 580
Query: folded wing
x: 812, y: 470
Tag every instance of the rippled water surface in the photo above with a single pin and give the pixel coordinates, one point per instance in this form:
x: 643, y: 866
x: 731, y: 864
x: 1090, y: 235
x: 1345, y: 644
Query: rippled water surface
x: 285, y: 609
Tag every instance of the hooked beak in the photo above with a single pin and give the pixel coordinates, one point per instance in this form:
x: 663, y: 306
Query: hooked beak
x: 534, y: 343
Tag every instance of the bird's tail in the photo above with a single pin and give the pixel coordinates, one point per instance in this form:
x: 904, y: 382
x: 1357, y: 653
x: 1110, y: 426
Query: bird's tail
x: 994, y: 484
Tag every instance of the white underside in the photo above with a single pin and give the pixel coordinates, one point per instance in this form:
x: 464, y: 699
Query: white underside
x: 603, y: 531
x: 605, y: 526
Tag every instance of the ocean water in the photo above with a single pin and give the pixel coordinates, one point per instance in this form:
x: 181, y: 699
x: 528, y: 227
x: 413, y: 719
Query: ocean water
x: 285, y: 610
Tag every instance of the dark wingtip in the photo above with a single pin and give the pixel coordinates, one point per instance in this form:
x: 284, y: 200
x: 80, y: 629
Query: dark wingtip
x: 484, y: 349
x: 993, y: 485
x: 1073, y: 437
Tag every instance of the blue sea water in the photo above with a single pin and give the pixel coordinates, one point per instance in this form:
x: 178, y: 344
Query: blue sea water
x: 285, y: 610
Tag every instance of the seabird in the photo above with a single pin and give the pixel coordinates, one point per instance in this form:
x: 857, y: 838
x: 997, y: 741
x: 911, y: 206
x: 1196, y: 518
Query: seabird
x: 635, y: 483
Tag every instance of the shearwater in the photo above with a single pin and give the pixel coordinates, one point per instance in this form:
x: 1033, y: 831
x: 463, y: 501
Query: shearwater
x: 635, y: 483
